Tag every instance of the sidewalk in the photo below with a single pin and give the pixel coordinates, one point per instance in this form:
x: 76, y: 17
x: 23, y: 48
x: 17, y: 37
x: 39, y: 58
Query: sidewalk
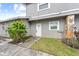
x: 22, y: 49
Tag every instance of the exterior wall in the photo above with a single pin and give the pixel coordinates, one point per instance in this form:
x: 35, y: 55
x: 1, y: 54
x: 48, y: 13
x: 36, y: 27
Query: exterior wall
x: 54, y: 8
x: 4, y: 25
x: 3, y: 31
x: 45, y: 28
x: 77, y: 22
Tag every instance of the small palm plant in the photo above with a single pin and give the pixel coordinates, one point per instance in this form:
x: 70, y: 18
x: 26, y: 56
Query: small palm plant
x: 17, y: 31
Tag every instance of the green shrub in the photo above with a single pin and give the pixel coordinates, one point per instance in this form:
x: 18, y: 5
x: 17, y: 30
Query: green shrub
x: 72, y: 42
x: 17, y: 31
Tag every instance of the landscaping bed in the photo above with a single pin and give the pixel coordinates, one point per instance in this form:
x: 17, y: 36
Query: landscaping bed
x: 54, y: 47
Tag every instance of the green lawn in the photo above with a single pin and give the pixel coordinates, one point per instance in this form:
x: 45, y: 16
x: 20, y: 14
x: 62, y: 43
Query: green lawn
x: 54, y: 47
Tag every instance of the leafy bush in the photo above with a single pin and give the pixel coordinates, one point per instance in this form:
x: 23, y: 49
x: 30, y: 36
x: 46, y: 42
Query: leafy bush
x: 17, y: 31
x: 72, y: 42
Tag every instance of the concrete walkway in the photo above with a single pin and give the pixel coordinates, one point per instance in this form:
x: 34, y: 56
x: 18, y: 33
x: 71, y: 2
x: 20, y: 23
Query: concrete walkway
x: 22, y: 49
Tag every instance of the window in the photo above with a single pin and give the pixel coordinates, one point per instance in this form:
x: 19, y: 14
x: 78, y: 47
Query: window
x: 43, y: 6
x: 54, y: 25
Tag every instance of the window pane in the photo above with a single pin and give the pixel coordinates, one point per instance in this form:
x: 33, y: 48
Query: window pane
x: 53, y: 27
x: 43, y: 6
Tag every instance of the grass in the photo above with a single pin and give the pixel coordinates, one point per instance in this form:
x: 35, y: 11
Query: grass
x: 54, y: 47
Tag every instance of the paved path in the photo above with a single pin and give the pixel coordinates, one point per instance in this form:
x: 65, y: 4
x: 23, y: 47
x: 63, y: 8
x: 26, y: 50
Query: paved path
x: 23, y: 49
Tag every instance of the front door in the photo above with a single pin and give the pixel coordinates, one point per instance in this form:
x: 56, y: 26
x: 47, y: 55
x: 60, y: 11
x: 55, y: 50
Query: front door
x: 38, y: 30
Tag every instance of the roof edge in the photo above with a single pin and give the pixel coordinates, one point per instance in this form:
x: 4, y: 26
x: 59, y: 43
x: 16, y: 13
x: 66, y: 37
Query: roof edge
x: 14, y: 18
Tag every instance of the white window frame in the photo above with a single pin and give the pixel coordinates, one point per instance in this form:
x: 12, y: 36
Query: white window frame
x: 51, y: 25
x: 43, y: 8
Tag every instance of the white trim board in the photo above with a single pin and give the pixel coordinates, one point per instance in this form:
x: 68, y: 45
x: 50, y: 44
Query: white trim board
x: 56, y: 13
